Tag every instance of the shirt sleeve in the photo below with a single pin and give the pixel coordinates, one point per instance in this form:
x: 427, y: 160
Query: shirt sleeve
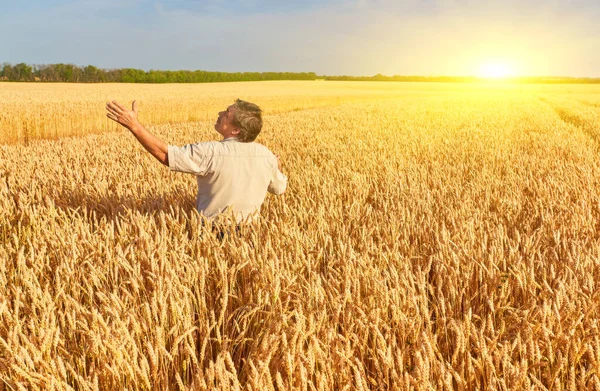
x: 193, y: 159
x: 278, y: 182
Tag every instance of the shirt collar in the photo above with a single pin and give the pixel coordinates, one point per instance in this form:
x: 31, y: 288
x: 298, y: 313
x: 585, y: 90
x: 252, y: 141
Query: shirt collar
x: 230, y: 139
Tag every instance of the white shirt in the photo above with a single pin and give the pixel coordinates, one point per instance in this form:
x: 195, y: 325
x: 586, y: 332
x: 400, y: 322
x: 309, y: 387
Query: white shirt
x: 230, y: 174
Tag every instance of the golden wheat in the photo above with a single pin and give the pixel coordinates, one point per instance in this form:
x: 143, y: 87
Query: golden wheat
x: 432, y: 237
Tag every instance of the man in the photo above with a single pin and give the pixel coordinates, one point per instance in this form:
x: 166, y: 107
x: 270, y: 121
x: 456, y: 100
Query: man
x: 233, y: 174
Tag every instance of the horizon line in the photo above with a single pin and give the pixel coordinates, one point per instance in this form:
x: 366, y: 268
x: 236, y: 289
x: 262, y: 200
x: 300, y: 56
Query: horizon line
x: 503, y: 78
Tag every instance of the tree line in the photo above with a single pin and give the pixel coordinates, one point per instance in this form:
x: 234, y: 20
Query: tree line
x: 70, y: 73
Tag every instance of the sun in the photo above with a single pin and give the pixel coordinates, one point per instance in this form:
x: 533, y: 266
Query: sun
x: 496, y: 70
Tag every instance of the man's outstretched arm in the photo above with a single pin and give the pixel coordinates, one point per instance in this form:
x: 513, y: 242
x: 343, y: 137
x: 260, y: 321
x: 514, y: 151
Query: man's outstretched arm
x: 128, y: 118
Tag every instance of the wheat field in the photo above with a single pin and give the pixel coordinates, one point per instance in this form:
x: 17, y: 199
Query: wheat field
x: 433, y: 237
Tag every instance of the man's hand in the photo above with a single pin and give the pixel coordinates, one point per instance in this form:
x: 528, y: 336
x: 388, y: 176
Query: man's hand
x: 118, y: 113
x: 128, y: 118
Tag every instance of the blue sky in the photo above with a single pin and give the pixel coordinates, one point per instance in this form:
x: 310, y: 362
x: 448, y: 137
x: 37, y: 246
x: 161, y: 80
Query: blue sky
x: 331, y: 37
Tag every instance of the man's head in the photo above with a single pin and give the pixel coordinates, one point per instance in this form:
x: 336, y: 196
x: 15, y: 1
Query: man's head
x: 242, y: 120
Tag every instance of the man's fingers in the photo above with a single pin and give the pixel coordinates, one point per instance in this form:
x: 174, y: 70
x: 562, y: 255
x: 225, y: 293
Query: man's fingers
x: 112, y: 111
x: 113, y: 116
x: 112, y: 107
x: 120, y: 106
x: 117, y: 112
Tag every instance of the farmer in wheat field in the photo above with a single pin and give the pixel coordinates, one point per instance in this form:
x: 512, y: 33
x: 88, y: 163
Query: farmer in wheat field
x: 233, y: 174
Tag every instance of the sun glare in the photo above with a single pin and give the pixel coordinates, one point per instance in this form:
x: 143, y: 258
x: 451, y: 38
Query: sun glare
x: 496, y: 70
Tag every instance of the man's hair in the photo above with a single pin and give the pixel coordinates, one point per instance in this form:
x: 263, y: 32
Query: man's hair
x: 247, y: 118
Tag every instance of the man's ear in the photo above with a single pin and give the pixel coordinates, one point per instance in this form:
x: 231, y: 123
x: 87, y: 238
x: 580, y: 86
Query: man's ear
x: 235, y: 131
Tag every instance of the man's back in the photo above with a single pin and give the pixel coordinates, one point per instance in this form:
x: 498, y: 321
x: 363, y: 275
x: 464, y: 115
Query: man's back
x: 230, y: 174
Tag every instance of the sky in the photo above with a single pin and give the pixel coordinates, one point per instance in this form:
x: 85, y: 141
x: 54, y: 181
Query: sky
x: 328, y: 37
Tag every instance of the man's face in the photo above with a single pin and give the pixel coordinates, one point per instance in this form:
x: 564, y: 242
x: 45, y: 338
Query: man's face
x: 224, y: 124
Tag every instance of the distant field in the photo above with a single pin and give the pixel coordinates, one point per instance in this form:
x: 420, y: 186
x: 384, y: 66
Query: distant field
x: 433, y: 236
x: 32, y: 111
